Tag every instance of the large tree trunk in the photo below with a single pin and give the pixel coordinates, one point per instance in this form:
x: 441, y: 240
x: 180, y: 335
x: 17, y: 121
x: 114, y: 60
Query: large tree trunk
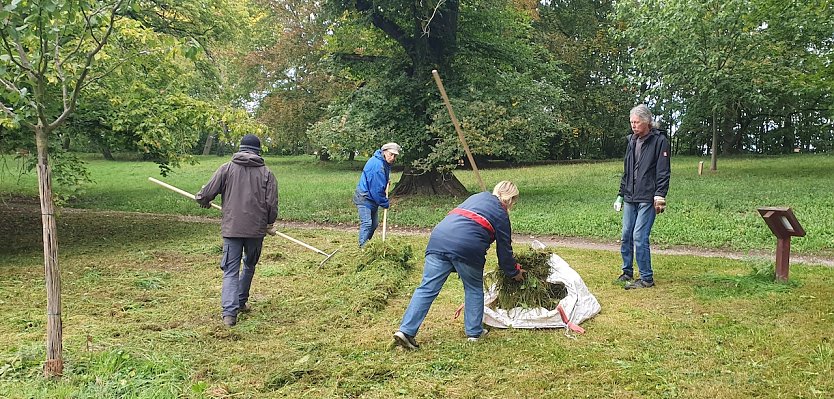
x: 54, y: 366
x: 429, y: 183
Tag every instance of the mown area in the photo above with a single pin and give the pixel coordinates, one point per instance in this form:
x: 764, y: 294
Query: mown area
x: 141, y: 294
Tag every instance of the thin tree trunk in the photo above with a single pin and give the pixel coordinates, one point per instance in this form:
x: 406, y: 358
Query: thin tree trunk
x: 714, y: 161
x: 209, y: 142
x: 54, y: 366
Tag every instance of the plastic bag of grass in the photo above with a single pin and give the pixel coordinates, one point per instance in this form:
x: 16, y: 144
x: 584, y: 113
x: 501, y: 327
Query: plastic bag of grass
x: 534, y: 303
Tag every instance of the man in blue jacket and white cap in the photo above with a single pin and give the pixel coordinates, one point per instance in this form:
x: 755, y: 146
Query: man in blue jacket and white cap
x: 371, y: 190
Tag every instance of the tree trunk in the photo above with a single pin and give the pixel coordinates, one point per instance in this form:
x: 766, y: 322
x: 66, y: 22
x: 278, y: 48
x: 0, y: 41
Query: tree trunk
x: 714, y: 160
x: 207, y: 146
x: 54, y: 366
x: 429, y: 183
x: 105, y: 152
x: 65, y: 142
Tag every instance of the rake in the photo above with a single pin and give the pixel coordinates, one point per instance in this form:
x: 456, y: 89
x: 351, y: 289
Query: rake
x: 280, y: 234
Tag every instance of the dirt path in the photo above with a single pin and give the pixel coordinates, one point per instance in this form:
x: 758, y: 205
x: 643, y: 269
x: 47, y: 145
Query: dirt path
x: 553, y: 241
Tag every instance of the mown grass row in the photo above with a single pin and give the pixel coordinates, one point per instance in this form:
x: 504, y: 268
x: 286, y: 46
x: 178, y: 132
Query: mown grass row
x: 715, y: 210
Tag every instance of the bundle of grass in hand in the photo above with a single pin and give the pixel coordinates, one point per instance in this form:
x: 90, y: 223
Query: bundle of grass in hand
x: 534, y: 291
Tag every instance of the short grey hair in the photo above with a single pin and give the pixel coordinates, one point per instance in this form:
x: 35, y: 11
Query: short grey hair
x: 507, y: 193
x: 643, y: 113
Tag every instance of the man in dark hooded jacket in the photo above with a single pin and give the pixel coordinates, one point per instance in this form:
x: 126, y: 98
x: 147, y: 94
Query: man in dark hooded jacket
x: 249, y: 195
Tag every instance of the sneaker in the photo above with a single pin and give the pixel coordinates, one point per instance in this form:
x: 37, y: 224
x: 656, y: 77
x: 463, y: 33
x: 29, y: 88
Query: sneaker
x: 229, y: 321
x: 639, y: 284
x: 478, y: 338
x: 405, y: 340
x: 624, y: 278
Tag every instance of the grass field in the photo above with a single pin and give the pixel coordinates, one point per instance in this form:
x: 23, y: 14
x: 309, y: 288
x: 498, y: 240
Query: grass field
x: 141, y: 320
x: 141, y: 294
x: 715, y: 210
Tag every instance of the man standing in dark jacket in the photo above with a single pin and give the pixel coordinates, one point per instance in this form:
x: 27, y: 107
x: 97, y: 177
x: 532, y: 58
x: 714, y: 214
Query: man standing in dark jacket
x: 249, y: 196
x: 642, y: 195
x: 459, y: 243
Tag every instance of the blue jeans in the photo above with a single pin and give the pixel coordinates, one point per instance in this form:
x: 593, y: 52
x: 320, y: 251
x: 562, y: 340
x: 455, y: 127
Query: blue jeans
x: 638, y: 218
x: 235, y: 291
x: 368, y: 217
x: 435, y: 272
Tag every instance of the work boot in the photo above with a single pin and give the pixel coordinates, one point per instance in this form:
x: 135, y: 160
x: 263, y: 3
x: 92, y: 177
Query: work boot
x: 624, y: 278
x: 229, y: 321
x: 639, y: 284
x: 405, y: 340
x: 478, y: 338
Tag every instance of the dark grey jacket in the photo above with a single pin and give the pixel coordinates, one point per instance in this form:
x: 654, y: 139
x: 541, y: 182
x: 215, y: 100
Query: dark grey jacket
x: 653, y: 172
x: 249, y: 195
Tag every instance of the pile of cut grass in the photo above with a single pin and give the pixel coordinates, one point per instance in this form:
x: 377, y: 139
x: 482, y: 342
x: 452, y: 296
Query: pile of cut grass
x: 381, y: 271
x: 534, y: 291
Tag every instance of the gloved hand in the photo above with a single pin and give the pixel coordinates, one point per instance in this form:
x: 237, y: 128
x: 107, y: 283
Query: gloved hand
x: 659, y: 204
x: 618, y: 204
x: 520, y: 276
x: 271, y: 229
x: 206, y: 205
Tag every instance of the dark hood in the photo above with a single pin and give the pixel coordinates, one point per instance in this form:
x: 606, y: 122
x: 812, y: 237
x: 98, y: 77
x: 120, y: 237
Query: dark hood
x: 246, y: 158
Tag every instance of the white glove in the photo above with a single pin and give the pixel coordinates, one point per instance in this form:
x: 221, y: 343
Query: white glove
x: 271, y: 229
x: 618, y: 204
x: 659, y: 204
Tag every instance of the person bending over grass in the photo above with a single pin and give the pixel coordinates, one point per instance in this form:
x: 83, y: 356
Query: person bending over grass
x: 459, y: 243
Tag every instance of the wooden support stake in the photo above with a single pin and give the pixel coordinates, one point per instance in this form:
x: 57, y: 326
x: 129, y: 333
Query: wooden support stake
x: 457, y: 127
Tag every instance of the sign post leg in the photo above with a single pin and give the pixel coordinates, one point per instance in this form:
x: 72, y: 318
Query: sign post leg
x: 783, y: 259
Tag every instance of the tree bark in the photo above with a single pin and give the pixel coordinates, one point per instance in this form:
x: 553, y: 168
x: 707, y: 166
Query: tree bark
x: 429, y: 183
x: 54, y: 366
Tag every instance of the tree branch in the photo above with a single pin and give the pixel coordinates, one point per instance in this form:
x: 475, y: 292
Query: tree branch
x: 387, y: 26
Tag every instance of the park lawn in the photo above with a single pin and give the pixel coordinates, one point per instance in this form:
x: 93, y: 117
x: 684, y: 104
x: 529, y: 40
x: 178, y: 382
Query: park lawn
x: 141, y: 320
x: 716, y: 210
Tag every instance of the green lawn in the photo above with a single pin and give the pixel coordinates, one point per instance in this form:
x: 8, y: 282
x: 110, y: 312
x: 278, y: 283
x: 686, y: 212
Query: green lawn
x: 141, y: 320
x: 715, y: 210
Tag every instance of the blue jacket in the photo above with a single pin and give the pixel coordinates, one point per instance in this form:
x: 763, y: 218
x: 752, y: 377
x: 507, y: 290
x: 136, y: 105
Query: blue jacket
x: 374, y: 179
x: 652, y: 175
x: 460, y: 238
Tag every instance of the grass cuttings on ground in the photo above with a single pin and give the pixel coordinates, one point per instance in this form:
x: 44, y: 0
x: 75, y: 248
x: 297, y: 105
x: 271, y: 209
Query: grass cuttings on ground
x: 534, y: 291
x: 381, y: 271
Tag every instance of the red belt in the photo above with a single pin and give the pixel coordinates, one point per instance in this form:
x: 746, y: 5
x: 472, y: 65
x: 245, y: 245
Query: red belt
x: 477, y: 219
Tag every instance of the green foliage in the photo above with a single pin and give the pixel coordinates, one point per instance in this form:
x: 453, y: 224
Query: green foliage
x: 760, y: 281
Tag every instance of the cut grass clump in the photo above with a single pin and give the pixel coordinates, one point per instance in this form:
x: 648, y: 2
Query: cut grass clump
x: 380, y: 272
x: 534, y: 291
x: 759, y: 281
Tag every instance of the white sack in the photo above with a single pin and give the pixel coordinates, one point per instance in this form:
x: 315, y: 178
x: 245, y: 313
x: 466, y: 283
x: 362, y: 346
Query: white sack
x: 579, y: 304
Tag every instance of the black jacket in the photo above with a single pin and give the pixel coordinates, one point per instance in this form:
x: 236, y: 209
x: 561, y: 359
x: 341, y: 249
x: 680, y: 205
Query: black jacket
x: 652, y: 175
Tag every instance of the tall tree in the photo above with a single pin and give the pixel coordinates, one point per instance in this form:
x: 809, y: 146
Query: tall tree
x: 727, y: 62
x: 503, y: 86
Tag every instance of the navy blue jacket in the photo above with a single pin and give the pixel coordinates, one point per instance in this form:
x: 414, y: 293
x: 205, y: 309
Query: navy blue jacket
x: 374, y: 179
x: 462, y: 239
x: 653, y: 172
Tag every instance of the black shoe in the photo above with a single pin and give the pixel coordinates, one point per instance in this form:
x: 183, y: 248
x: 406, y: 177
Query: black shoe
x: 639, y: 284
x: 245, y: 308
x: 405, y: 340
x: 229, y: 321
x: 624, y: 278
